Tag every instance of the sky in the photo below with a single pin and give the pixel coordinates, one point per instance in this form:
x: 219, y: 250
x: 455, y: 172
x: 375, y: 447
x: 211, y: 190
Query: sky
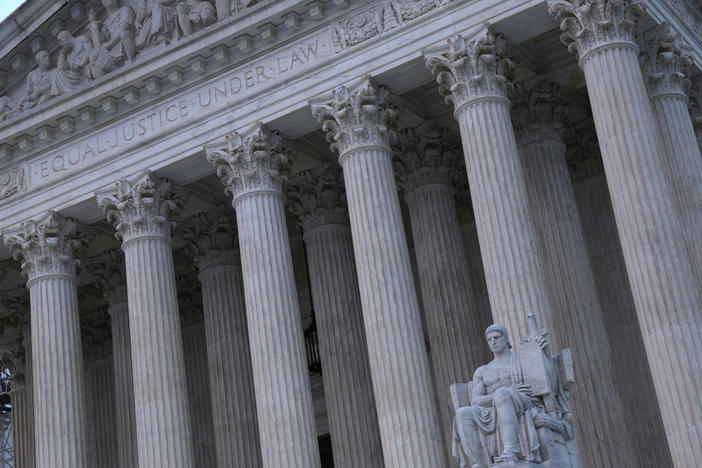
x: 7, y: 7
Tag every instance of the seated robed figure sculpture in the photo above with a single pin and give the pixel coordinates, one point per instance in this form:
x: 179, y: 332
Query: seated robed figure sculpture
x: 515, y: 412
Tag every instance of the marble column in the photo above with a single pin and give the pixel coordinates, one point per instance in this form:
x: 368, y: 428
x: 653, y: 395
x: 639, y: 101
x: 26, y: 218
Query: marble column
x: 425, y: 162
x: 21, y: 401
x: 142, y: 211
x: 252, y: 169
x: 211, y: 240
x: 474, y: 77
x: 663, y: 283
x: 538, y: 113
x: 19, y: 358
x: 359, y: 122
x: 317, y: 200
x: 665, y: 63
x: 632, y: 377
x: 198, y: 377
x: 469, y: 234
x: 100, y: 403
x: 47, y: 247
x: 111, y: 277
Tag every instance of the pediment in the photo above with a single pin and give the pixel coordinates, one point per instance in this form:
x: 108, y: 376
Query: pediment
x: 80, y: 42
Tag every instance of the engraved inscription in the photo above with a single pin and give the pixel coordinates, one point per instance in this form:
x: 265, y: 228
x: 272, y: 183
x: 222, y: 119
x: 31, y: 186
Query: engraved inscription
x: 230, y: 88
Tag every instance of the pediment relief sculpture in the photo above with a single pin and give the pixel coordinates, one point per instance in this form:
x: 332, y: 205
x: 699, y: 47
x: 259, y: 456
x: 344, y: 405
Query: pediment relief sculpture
x: 516, y: 411
x: 117, y: 32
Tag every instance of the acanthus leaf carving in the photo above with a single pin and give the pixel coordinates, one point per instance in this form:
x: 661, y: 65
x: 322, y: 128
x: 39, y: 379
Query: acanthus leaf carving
x: 358, y: 117
x: 256, y: 161
x: 538, y: 111
x: 426, y: 155
x: 590, y: 24
x: 46, y: 246
x: 317, y: 197
x: 211, y: 238
x: 110, y: 275
x: 144, y: 206
x: 96, y: 335
x: 469, y: 70
x: 665, y: 62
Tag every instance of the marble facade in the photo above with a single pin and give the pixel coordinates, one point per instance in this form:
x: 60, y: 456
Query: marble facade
x: 200, y: 198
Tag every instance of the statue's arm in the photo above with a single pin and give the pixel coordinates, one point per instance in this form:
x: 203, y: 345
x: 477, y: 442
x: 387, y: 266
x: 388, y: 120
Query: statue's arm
x: 479, y: 395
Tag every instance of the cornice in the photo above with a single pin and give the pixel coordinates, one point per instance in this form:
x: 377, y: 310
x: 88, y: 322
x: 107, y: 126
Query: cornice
x: 182, y: 144
x: 161, y: 71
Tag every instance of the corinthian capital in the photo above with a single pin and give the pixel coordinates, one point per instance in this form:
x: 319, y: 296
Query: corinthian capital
x: 211, y: 240
x: 538, y: 112
x: 359, y: 117
x: 142, y: 207
x: 254, y: 162
x: 12, y: 356
x: 45, y: 246
x: 317, y: 197
x: 110, y: 275
x: 426, y: 155
x: 590, y: 24
x: 469, y: 70
x: 665, y: 63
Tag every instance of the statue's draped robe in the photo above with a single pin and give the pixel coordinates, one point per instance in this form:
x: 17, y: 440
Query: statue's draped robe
x: 484, y: 421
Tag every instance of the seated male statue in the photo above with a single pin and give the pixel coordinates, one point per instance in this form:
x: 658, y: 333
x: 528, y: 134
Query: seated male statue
x: 518, y: 411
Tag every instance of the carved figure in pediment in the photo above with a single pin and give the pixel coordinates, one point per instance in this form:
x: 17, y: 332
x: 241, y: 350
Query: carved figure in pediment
x: 73, y: 66
x: 113, y: 39
x: 38, y: 84
x: 156, y: 22
x: 7, y: 108
x: 195, y: 13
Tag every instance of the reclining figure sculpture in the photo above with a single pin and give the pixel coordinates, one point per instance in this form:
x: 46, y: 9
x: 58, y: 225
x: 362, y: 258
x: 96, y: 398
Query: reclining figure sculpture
x: 515, y: 412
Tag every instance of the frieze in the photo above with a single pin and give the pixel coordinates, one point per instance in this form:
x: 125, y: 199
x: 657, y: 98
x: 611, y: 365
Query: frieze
x: 384, y: 16
x: 116, y: 32
x: 168, y: 116
x: 687, y: 14
x: 13, y: 181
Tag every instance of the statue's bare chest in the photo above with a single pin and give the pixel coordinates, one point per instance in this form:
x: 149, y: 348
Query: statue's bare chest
x: 496, y: 375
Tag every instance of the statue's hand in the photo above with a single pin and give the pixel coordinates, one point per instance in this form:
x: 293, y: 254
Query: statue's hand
x: 524, y: 388
x: 542, y: 342
x: 540, y: 420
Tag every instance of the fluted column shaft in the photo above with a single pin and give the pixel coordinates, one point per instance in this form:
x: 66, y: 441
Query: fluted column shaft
x: 57, y: 372
x: 231, y: 376
x: 283, y: 399
x: 343, y: 352
x: 100, y: 389
x: 471, y: 245
x: 514, y: 271
x: 158, y: 365
x: 124, y: 385
x: 685, y: 163
x: 142, y: 210
x: 23, y: 415
x: 198, y: 377
x: 359, y: 123
x: 455, y: 335
x: 602, y: 437
x: 653, y: 241
x: 408, y: 419
x: 22, y: 427
x: 632, y: 376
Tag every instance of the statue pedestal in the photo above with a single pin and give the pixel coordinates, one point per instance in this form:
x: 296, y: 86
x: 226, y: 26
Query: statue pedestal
x: 516, y: 464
